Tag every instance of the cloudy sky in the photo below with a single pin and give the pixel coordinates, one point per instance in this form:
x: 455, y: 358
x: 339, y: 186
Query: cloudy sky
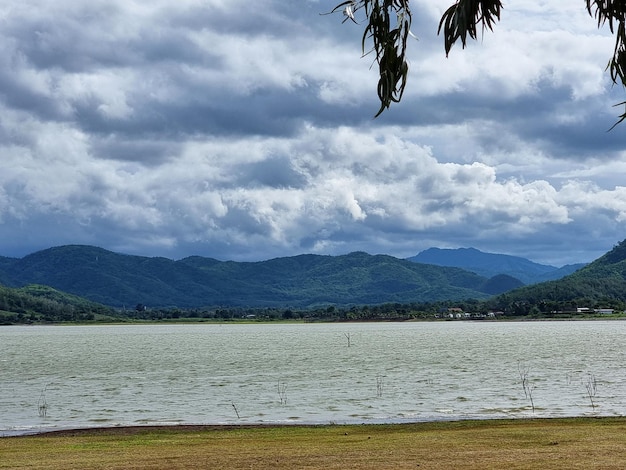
x: 244, y: 130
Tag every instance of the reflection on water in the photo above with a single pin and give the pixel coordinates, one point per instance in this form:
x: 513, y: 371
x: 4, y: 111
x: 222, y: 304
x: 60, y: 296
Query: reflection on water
x: 307, y: 373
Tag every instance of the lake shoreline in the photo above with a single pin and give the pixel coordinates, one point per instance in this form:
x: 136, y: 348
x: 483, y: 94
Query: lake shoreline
x: 131, y: 430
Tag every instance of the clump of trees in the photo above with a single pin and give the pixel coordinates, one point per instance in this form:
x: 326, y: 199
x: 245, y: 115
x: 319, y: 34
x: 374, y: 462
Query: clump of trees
x: 506, y: 305
x: 563, y: 298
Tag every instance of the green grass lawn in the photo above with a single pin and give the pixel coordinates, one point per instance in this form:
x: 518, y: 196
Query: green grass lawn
x: 591, y: 443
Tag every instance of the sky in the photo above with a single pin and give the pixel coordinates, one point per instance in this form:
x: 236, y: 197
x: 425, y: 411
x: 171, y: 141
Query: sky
x: 245, y: 131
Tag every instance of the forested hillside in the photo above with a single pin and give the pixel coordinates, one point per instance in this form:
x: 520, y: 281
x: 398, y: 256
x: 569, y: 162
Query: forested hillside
x: 601, y: 283
x: 349, y: 287
x: 301, y: 281
x: 36, y: 303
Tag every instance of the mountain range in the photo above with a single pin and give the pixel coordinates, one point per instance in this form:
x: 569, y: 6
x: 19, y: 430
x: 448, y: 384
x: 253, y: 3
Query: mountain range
x: 301, y: 281
x: 492, y: 264
x: 72, y: 283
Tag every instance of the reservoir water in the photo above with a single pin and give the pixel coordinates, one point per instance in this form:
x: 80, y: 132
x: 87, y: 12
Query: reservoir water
x: 54, y: 377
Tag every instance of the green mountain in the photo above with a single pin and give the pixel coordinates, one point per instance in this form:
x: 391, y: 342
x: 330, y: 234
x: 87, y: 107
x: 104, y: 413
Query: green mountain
x: 301, y: 281
x: 601, y: 283
x: 5, y: 263
x: 84, y: 277
x: 501, y: 283
x: 35, y: 303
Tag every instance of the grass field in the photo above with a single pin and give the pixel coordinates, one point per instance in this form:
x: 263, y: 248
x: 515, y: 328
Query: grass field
x: 589, y: 443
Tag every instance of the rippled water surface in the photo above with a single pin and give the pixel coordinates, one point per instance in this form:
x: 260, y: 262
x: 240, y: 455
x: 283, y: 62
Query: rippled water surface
x: 307, y: 373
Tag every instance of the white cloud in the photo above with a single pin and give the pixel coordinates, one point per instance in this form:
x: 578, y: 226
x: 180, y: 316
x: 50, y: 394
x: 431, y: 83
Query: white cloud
x: 215, y: 129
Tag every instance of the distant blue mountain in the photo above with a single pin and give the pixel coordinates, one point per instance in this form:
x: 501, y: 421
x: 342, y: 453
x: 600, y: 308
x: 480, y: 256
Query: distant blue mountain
x: 491, y: 264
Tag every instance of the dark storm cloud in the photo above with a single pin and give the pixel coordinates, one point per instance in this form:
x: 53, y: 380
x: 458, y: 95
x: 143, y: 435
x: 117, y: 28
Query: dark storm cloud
x: 72, y: 39
x: 275, y: 172
x: 268, y: 111
x: 268, y: 18
x: 151, y: 152
x: 533, y: 117
x: 20, y: 95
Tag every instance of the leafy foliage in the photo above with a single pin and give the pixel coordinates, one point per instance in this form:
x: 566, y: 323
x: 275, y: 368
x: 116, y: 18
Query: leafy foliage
x: 388, y: 25
x: 613, y: 13
x: 462, y: 18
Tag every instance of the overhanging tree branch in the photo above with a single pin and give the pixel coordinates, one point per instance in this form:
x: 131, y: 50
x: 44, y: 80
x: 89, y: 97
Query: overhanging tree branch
x: 461, y: 19
x: 388, y: 26
x: 613, y: 13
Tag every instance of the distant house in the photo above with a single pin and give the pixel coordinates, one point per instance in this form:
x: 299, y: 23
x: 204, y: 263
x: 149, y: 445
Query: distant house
x: 604, y: 311
x: 460, y: 314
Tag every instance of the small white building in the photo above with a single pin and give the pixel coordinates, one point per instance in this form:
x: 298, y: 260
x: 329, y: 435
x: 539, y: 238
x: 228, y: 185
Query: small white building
x: 604, y: 311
